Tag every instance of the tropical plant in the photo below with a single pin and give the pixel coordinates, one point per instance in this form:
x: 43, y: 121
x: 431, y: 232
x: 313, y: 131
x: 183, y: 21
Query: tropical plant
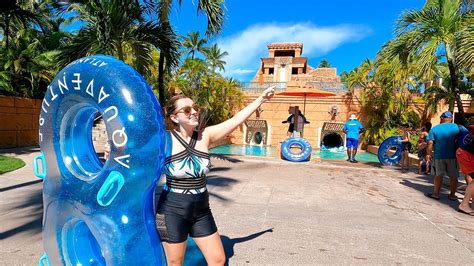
x: 30, y: 47
x: 214, y: 57
x: 193, y: 44
x: 117, y: 28
x: 441, y: 29
x: 219, y: 97
x: 324, y: 63
x: 214, y: 11
x: 15, y: 12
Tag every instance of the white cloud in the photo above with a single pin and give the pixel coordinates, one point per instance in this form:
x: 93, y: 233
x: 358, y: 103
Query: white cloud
x: 247, y: 47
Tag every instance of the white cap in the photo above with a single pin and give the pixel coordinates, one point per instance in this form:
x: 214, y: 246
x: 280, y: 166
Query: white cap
x: 353, y: 117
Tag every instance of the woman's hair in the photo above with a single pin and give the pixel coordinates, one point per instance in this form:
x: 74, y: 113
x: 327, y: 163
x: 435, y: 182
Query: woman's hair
x: 170, y: 107
x: 428, y: 126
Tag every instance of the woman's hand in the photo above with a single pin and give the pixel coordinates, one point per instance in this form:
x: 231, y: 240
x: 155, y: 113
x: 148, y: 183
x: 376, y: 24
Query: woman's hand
x: 268, y: 93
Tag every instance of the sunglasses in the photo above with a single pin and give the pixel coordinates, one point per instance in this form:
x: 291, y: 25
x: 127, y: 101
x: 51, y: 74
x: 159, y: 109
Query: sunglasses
x: 187, y: 110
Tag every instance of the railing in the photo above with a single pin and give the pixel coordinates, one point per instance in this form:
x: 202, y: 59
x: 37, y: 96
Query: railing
x: 329, y: 86
x: 261, y: 86
x: 281, y: 86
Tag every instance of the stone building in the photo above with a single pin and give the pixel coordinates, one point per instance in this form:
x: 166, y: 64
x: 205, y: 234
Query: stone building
x: 286, y: 67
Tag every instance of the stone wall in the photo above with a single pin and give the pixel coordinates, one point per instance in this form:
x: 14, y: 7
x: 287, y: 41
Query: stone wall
x: 19, y: 121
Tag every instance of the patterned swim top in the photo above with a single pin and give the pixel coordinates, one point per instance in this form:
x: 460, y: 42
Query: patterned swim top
x: 185, y: 171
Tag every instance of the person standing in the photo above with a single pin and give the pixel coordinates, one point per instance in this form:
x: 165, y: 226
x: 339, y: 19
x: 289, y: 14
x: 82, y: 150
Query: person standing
x: 353, y: 129
x: 421, y: 145
x: 465, y: 157
x: 406, y: 147
x: 442, y: 138
x: 183, y: 207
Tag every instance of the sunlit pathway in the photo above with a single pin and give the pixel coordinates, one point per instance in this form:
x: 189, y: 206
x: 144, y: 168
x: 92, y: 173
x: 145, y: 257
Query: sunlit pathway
x: 274, y: 212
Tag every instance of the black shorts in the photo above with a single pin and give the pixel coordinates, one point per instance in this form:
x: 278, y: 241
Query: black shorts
x: 406, y: 146
x: 179, y: 215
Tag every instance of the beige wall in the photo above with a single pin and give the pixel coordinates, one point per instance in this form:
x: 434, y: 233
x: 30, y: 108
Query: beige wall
x: 18, y: 121
x: 317, y: 112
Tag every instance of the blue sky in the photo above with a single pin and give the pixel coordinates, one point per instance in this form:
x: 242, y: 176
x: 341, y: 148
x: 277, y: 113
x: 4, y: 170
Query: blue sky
x: 341, y: 31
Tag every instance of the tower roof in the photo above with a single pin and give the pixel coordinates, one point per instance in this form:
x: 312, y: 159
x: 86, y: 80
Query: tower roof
x: 286, y: 45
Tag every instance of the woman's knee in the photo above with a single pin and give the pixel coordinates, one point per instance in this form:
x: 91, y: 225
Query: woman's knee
x: 217, y: 259
x: 174, y: 260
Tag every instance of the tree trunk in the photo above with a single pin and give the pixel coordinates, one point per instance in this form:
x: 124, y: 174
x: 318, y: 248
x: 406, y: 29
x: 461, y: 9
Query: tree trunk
x: 455, y: 90
x: 161, y: 89
x: 7, y: 31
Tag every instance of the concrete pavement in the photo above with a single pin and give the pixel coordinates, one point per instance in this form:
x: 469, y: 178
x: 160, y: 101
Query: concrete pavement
x: 281, y: 213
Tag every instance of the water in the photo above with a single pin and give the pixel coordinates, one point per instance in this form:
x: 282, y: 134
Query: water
x: 270, y: 151
x: 361, y: 156
x: 245, y: 150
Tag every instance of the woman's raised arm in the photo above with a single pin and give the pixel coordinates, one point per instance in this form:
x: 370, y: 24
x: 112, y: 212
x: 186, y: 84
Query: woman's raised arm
x: 219, y: 131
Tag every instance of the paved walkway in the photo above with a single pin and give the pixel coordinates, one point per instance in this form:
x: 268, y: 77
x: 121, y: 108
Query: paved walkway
x: 281, y: 213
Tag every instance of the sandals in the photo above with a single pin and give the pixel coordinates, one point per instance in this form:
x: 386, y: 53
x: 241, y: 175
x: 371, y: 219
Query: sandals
x: 430, y: 195
x: 452, y: 198
x: 466, y: 212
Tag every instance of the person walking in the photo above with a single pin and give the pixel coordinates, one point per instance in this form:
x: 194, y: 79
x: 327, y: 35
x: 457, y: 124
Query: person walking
x: 442, y: 139
x: 183, y: 207
x: 352, y: 129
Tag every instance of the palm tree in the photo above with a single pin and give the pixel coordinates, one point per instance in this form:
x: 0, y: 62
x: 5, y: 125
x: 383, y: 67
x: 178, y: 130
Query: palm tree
x: 15, y: 11
x: 193, y: 44
x: 324, y: 63
x: 118, y: 28
x: 214, y: 57
x: 440, y: 25
x: 214, y: 11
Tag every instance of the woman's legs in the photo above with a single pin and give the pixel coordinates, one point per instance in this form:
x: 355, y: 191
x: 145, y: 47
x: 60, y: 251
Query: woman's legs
x: 420, y: 164
x: 212, y: 249
x: 404, y: 159
x: 468, y: 194
x: 174, y: 253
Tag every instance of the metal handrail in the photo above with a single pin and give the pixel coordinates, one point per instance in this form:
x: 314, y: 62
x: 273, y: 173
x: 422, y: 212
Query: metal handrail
x: 281, y: 86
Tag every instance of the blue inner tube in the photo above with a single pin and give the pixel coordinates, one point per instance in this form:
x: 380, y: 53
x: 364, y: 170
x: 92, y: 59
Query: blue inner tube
x: 384, y: 155
x: 94, y: 213
x: 303, y: 144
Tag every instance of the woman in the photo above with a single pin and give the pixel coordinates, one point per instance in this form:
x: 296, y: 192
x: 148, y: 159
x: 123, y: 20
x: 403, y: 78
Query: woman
x: 421, y: 145
x: 183, y: 207
x: 406, y: 147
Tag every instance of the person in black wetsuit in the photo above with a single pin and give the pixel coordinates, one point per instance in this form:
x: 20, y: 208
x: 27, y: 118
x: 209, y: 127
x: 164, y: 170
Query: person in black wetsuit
x: 183, y: 206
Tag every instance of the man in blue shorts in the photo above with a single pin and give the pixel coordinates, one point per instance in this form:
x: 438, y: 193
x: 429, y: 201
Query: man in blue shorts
x: 442, y: 139
x: 352, y: 128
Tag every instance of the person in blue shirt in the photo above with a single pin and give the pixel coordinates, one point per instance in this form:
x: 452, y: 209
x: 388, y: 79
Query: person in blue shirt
x: 352, y: 128
x: 442, y: 139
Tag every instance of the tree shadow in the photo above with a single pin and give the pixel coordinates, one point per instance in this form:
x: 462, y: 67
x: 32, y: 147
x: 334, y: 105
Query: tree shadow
x: 195, y: 257
x: 20, y: 150
x: 34, y: 205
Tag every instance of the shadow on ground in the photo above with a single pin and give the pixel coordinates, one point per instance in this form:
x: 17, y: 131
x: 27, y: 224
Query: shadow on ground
x: 225, y: 158
x: 22, y: 150
x: 30, y: 208
x: 195, y: 257
x: 424, y: 184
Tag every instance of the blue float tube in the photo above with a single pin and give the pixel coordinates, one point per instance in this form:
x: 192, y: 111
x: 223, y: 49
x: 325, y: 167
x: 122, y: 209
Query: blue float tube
x: 94, y: 213
x: 383, y: 154
x: 303, y: 156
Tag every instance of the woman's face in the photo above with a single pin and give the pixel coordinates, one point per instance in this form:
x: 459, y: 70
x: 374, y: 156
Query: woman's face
x: 186, y: 114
